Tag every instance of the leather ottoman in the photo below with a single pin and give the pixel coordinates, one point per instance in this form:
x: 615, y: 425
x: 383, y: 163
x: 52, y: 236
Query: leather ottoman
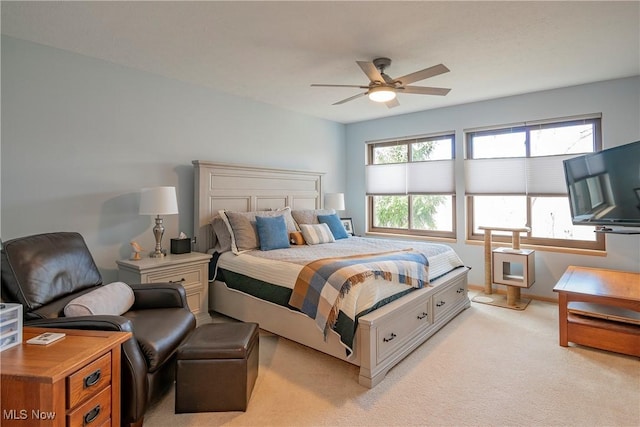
x: 217, y: 367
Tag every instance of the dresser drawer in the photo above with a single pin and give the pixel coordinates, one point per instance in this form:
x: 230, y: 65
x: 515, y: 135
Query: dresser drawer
x: 88, y: 380
x: 95, y: 412
x: 402, y: 328
x: 447, y: 298
x: 187, y: 276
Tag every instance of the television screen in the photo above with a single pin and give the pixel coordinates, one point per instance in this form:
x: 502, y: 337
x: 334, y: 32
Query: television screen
x: 604, y: 187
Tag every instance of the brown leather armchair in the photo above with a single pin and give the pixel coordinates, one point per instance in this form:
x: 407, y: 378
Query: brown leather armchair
x: 44, y: 272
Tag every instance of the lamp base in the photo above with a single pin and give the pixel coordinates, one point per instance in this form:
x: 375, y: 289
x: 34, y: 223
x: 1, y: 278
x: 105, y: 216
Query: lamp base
x: 158, y: 231
x: 162, y: 253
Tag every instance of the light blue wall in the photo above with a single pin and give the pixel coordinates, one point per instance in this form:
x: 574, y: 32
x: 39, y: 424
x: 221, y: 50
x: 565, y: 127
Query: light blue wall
x: 617, y: 100
x: 81, y: 136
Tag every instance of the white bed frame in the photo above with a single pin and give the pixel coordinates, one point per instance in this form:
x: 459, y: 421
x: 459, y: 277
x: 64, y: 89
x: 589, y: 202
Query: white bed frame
x: 383, y: 337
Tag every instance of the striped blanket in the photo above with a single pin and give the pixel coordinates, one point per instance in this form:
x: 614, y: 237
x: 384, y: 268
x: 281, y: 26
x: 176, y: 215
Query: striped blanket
x: 321, y: 284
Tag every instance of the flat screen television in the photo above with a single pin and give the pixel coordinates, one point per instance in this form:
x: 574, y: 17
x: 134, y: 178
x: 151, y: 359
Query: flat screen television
x: 604, y: 187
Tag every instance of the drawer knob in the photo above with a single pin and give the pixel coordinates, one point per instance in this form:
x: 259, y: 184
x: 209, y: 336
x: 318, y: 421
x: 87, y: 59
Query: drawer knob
x: 92, y: 379
x: 440, y: 304
x: 177, y: 281
x: 461, y: 290
x: 422, y: 316
x: 92, y: 415
x: 392, y: 336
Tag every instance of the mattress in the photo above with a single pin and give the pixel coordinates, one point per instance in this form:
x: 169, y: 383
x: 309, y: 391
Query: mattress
x: 271, y: 275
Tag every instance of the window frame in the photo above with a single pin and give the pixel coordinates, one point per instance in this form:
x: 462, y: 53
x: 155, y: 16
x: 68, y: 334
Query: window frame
x: 409, y: 231
x: 599, y: 244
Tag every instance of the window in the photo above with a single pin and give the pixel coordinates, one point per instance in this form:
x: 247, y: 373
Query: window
x: 515, y: 177
x: 411, y: 186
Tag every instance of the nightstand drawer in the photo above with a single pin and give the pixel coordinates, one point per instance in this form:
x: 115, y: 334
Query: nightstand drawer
x: 88, y: 380
x: 94, y: 412
x: 186, y: 276
x: 190, y: 270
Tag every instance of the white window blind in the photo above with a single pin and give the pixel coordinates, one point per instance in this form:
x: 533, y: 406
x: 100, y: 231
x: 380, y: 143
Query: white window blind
x: 495, y: 176
x: 388, y: 179
x: 521, y: 175
x: 429, y: 177
x: 432, y: 177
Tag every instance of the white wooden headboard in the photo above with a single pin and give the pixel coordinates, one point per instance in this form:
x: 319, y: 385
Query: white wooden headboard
x: 248, y: 188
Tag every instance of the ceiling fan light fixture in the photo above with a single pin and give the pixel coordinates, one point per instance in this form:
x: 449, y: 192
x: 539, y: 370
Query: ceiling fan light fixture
x: 382, y: 94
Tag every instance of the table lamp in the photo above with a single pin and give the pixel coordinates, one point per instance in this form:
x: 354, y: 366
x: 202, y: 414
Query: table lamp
x: 334, y: 201
x: 158, y: 201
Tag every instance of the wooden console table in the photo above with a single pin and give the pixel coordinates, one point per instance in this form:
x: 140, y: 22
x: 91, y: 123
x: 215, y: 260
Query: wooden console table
x: 74, y: 381
x: 612, y: 290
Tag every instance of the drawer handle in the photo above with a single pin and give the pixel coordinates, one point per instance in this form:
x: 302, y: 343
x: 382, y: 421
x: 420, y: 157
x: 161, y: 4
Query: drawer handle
x: 440, y: 304
x: 392, y: 336
x: 422, y: 316
x: 461, y: 290
x: 92, y: 379
x: 177, y: 281
x: 91, y: 416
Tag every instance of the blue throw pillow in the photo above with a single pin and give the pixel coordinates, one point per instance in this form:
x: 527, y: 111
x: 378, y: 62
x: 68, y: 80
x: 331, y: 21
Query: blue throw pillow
x: 272, y: 232
x: 335, y: 225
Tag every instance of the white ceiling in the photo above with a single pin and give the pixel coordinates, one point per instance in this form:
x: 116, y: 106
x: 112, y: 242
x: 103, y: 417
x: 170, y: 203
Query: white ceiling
x: 273, y: 51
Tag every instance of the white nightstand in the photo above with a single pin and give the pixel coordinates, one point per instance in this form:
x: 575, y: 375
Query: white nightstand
x: 190, y: 269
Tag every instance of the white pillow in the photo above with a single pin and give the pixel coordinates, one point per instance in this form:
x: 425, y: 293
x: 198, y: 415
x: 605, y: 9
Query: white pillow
x: 316, y: 233
x: 115, y: 298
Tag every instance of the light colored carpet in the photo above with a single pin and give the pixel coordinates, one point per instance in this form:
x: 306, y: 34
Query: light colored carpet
x: 490, y: 366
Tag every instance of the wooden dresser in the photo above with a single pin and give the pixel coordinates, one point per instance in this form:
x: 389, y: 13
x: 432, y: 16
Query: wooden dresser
x: 74, y: 381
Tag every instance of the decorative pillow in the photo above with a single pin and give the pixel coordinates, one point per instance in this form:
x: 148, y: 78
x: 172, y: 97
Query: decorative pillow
x: 272, y: 232
x: 242, y: 227
x: 296, y: 238
x: 316, y: 233
x: 310, y: 216
x: 221, y: 235
x: 115, y: 298
x: 335, y: 225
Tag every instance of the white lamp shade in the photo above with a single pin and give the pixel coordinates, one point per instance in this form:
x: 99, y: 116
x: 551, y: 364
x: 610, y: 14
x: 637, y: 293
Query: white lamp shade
x: 334, y: 201
x: 158, y: 201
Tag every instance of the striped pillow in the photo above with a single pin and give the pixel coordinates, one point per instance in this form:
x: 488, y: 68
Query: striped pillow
x: 316, y: 233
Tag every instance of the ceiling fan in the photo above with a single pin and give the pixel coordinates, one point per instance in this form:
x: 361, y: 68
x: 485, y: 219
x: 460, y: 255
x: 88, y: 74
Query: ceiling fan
x: 383, y: 88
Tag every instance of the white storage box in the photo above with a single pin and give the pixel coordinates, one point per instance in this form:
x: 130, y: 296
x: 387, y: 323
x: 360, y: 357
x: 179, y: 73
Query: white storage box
x: 10, y: 325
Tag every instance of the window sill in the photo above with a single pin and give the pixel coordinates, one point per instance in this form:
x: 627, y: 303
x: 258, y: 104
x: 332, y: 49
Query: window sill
x: 411, y: 237
x: 575, y: 251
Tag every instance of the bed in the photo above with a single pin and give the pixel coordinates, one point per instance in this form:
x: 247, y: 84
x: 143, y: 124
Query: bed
x: 383, y: 334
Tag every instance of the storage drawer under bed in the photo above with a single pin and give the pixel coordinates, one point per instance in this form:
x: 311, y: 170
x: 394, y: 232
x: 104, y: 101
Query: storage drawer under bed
x: 402, y: 328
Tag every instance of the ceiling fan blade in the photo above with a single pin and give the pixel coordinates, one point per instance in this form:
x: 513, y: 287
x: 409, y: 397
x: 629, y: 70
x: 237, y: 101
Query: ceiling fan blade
x: 420, y: 90
x: 371, y: 71
x: 422, y: 74
x: 328, y: 85
x: 393, y: 103
x: 351, y: 98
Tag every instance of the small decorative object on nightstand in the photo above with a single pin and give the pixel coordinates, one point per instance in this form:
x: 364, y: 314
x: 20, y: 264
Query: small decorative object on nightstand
x: 135, y: 251
x: 189, y: 269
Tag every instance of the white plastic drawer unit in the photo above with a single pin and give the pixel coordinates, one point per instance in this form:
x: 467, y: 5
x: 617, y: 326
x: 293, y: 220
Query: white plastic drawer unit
x: 10, y: 325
